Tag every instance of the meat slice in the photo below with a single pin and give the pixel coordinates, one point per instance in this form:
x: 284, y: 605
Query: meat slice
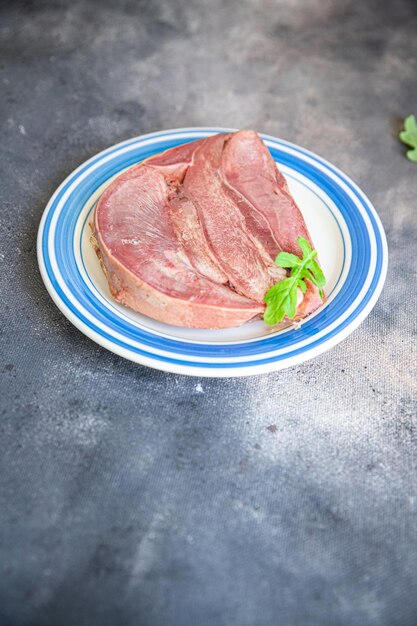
x: 189, y: 236
x: 184, y: 215
x: 175, y: 156
x: 250, y: 271
x: 249, y: 169
x: 145, y: 264
x: 173, y: 163
x: 189, y: 232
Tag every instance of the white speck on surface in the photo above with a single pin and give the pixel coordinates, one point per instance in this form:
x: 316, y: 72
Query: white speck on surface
x: 133, y: 242
x: 22, y: 129
x: 199, y: 388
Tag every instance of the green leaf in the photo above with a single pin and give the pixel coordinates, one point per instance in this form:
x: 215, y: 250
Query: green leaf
x: 412, y: 154
x: 281, y: 299
x: 409, y: 136
x: 291, y: 302
x: 285, y: 259
x: 317, y: 272
x: 301, y: 284
x: 305, y: 246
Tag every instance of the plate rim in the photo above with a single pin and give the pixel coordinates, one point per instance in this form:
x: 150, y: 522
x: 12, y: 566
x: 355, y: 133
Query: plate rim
x: 197, y: 369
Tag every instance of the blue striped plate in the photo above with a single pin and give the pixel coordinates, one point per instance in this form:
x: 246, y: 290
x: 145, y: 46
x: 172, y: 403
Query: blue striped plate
x: 344, y: 226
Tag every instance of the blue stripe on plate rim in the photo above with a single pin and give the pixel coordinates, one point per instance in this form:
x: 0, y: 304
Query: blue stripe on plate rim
x: 352, y: 304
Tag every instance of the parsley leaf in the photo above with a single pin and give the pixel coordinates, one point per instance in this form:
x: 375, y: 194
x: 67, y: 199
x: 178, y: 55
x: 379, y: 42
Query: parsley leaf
x: 409, y: 136
x: 281, y: 299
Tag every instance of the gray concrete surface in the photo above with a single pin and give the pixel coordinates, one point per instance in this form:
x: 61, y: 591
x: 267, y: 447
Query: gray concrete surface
x: 132, y: 497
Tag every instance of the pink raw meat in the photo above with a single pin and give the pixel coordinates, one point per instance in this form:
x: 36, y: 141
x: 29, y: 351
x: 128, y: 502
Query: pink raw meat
x: 250, y: 170
x: 145, y: 263
x: 189, y: 236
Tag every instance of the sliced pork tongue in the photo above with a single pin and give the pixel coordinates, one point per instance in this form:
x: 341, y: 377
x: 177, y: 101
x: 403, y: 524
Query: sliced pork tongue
x: 173, y: 163
x: 250, y: 170
x: 188, y: 237
x: 144, y: 261
x: 243, y: 260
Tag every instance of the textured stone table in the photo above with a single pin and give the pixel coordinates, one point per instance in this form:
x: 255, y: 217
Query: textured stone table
x: 132, y: 497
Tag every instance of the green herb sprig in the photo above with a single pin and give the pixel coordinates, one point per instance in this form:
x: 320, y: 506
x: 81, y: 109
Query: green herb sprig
x: 409, y: 137
x: 281, y: 299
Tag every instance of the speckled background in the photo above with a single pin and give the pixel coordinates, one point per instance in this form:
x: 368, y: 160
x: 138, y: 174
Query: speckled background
x: 132, y: 497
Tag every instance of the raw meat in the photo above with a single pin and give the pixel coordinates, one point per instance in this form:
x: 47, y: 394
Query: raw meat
x: 189, y: 236
x: 250, y: 170
x: 249, y: 270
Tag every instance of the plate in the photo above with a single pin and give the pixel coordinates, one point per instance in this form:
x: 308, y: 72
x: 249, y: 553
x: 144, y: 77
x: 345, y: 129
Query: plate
x: 344, y: 226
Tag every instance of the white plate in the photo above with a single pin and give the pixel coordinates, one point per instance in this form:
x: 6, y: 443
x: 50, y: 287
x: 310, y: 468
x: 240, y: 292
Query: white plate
x: 343, y: 224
